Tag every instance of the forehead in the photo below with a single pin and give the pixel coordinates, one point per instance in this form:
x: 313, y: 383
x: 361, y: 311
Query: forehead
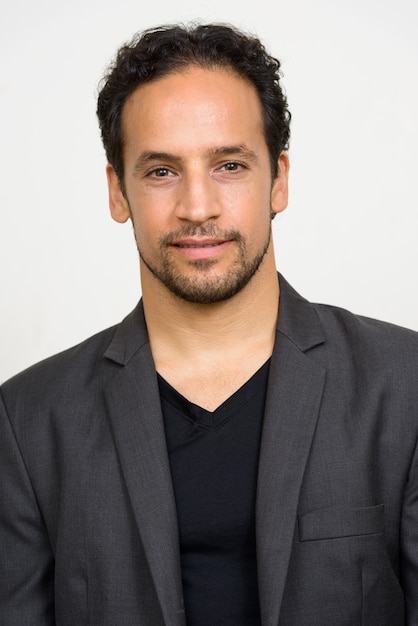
x: 195, y: 101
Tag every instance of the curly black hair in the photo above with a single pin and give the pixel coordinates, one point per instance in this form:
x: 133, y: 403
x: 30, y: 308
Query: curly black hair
x: 164, y: 50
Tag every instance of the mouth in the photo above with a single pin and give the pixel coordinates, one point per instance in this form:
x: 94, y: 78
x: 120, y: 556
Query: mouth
x: 206, y: 245
x: 199, y: 243
x: 196, y: 249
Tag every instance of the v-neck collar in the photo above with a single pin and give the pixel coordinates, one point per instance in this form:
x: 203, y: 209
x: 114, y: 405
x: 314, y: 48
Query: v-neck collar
x: 215, y: 419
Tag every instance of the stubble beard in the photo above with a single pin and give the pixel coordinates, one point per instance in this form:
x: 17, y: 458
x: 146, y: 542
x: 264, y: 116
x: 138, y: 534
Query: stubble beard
x: 202, y: 287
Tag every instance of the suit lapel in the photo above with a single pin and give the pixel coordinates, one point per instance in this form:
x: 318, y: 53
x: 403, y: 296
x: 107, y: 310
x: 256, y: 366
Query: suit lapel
x: 292, y: 405
x: 135, y: 415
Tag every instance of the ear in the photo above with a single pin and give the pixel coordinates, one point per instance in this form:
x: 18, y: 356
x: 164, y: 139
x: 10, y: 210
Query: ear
x: 280, y: 190
x: 118, y: 204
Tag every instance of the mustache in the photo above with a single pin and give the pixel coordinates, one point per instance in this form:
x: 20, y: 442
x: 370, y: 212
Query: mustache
x: 206, y: 230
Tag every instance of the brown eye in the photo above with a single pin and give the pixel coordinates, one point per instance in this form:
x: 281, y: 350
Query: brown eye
x: 232, y: 166
x: 160, y: 172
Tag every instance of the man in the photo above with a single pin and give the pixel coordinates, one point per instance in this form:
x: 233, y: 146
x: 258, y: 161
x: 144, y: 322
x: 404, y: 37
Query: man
x: 229, y: 454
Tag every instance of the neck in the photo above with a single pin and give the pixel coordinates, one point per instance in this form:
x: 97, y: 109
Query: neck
x: 180, y: 329
x: 209, y: 351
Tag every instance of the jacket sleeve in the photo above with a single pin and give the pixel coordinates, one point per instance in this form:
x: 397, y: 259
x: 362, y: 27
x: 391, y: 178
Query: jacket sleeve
x: 26, y: 559
x: 409, y: 543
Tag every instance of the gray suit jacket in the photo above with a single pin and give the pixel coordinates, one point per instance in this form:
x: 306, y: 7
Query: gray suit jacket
x: 88, y: 531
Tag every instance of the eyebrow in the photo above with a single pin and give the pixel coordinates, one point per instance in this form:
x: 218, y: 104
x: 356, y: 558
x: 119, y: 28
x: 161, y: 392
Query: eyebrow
x: 149, y: 156
x: 239, y: 150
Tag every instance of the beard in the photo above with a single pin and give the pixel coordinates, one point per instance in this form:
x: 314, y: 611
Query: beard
x: 205, y: 287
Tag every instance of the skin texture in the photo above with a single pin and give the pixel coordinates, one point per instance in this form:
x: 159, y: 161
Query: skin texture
x: 199, y: 191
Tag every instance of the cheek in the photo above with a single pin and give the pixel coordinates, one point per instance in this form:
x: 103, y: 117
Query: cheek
x: 152, y: 213
x: 236, y: 207
x: 252, y: 214
x: 146, y: 233
x: 147, y: 219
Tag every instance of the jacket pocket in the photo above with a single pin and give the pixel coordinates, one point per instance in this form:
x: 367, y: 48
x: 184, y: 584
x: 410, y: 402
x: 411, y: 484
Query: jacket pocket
x: 338, y: 523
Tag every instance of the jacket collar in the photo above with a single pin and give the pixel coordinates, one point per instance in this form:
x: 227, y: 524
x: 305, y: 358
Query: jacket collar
x: 298, y: 321
x: 298, y: 318
x: 130, y: 336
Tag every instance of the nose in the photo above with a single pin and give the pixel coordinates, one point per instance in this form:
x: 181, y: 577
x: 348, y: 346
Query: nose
x: 198, y: 199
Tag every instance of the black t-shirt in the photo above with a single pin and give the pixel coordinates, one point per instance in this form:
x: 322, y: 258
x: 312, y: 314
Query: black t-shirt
x: 214, y: 460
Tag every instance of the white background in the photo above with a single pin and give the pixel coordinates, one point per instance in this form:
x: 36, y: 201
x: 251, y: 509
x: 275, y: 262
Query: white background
x: 349, y: 235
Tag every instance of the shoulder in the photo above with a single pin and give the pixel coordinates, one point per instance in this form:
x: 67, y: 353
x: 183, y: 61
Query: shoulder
x: 361, y: 332
x: 377, y: 359
x: 78, y: 371
x: 356, y: 351
x: 91, y: 360
x: 59, y: 372
x: 336, y: 330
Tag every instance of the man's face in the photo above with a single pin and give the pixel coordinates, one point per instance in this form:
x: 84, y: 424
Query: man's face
x: 198, y: 184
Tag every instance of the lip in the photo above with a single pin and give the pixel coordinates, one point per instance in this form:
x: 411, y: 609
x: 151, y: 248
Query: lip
x: 197, y: 248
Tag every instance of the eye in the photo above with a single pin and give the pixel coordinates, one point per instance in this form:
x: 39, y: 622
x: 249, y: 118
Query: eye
x: 232, y: 166
x: 160, y: 172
